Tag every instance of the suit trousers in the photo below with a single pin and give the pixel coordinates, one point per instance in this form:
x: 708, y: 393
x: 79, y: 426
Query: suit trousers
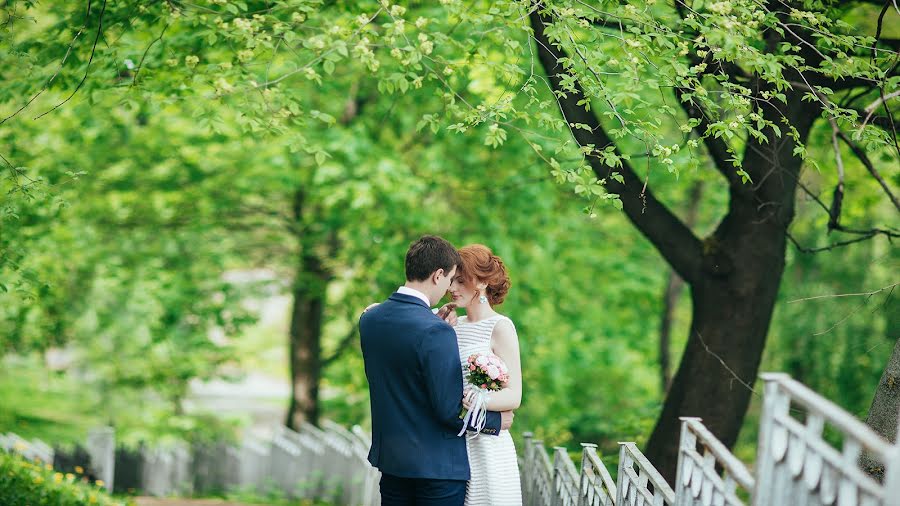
x: 397, y: 491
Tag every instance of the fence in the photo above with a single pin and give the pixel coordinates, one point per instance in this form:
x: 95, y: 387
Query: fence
x: 325, y: 464
x: 796, y: 465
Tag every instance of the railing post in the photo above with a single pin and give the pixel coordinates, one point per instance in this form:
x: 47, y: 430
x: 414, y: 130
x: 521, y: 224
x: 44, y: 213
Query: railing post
x: 624, y: 463
x: 687, y: 441
x: 528, y: 470
x: 559, y: 477
x: 595, y: 484
x: 775, y: 403
x: 584, y: 498
x: 101, y: 447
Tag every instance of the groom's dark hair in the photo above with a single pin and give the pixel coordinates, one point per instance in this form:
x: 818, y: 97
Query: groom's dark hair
x: 429, y: 254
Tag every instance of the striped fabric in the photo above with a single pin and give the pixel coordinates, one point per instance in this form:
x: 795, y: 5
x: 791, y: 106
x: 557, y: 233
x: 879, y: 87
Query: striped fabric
x: 495, y: 470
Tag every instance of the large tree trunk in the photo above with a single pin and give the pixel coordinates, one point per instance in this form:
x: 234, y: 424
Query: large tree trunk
x: 886, y: 405
x: 729, y: 324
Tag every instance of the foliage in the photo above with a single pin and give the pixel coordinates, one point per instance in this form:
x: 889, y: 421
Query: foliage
x: 23, y: 482
x: 201, y: 126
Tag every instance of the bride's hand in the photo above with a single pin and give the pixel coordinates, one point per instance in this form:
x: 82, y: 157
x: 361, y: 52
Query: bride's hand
x: 468, y: 397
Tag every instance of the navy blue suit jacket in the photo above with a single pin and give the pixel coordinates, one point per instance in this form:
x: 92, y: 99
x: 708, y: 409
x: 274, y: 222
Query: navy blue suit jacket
x: 415, y: 386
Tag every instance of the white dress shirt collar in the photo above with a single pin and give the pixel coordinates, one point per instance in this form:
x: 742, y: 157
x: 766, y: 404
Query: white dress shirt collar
x: 405, y: 290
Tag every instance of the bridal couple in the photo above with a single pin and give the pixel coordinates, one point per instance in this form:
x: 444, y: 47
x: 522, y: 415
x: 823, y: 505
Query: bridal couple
x: 414, y: 359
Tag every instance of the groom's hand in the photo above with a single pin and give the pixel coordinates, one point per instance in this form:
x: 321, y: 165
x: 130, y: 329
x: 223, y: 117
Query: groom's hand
x: 447, y: 312
x: 506, y: 419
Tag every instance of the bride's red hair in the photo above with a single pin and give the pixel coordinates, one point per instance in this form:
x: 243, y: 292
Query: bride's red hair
x: 480, y: 264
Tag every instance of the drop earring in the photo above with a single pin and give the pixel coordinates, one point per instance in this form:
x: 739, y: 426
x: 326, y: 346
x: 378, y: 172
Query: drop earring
x: 482, y: 299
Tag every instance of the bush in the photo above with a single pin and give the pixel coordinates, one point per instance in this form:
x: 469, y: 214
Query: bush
x: 34, y: 484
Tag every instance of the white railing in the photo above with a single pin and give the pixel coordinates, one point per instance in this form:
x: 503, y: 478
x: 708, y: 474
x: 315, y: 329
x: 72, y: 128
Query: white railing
x: 699, y: 482
x: 565, y: 478
x: 639, y: 482
x: 597, y: 487
x: 796, y: 466
x: 538, y: 475
x: 794, y: 460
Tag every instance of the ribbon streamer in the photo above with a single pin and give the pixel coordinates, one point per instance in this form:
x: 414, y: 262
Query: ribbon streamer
x: 477, y: 415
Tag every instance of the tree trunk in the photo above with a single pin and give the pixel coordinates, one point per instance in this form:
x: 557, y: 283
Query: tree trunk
x: 730, y: 320
x: 734, y: 296
x: 886, y: 405
x: 305, y: 343
x: 309, y: 289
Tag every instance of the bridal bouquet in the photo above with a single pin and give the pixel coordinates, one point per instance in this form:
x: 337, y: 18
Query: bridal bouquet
x: 485, y: 373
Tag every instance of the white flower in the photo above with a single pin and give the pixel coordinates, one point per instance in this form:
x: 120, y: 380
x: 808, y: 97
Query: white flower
x: 481, y: 360
x: 493, y: 371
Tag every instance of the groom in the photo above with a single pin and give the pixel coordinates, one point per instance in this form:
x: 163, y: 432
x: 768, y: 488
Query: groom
x: 415, y: 385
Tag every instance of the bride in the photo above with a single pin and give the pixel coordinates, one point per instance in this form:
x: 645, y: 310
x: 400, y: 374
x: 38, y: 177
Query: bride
x: 481, y: 283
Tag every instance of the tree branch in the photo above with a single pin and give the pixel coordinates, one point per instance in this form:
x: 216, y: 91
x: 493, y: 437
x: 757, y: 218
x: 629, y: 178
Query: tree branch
x: 861, y: 154
x: 716, y: 147
x: 341, y: 347
x: 669, y: 235
x: 871, y: 108
x: 87, y: 70
x: 831, y: 246
x: 141, y: 64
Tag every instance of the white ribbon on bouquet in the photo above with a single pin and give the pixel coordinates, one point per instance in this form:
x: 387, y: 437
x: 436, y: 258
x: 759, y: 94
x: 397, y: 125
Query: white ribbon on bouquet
x: 477, y: 414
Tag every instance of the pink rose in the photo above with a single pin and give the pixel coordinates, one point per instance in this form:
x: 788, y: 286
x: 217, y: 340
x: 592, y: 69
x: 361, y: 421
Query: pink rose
x: 471, y: 367
x: 493, y: 372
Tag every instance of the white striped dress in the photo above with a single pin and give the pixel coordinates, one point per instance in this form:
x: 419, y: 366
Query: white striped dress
x: 492, y: 459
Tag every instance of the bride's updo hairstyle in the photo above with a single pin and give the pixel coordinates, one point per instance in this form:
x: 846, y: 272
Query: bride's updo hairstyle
x: 480, y: 264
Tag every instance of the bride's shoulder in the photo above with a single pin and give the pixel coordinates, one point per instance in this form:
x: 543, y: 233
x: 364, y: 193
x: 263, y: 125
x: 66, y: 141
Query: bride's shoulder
x: 504, y: 324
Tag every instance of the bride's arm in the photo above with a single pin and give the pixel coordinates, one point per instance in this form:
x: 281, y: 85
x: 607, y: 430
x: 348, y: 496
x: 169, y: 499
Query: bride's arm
x: 505, y: 344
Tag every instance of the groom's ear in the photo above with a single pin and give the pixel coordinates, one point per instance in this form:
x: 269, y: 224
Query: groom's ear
x: 436, y: 276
